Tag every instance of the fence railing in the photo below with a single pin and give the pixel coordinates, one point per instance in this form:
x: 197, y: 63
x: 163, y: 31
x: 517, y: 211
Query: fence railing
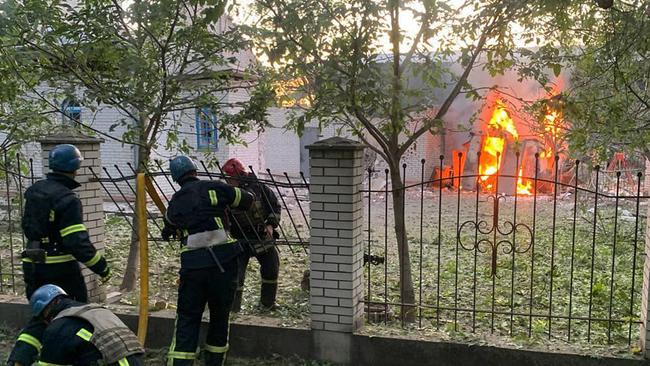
x: 565, y: 264
x: 118, y: 185
x: 292, y: 196
x: 17, y: 173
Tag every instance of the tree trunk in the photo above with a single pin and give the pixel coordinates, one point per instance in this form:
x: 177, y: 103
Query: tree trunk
x: 407, y: 294
x: 131, y: 272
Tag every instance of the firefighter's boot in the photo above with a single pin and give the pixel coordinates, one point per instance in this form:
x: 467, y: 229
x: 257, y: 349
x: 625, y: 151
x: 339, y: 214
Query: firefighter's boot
x: 268, y: 293
x: 214, y: 359
x: 236, y: 303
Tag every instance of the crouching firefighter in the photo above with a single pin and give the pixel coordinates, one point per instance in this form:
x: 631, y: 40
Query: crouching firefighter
x: 209, y: 261
x: 255, y: 228
x: 81, y: 334
x: 56, y: 235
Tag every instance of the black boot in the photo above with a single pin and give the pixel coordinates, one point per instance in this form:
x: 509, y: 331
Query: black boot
x: 213, y: 359
x: 236, y: 303
x: 268, y: 293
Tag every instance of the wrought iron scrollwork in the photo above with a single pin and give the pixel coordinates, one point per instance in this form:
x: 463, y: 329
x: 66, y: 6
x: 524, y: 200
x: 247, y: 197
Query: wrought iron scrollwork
x: 497, y: 235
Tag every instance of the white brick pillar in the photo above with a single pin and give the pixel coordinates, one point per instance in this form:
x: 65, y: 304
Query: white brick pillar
x: 336, y: 247
x: 645, y: 293
x: 90, y: 193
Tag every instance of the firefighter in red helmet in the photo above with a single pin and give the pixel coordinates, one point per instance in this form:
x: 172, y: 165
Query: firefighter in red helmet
x: 255, y: 228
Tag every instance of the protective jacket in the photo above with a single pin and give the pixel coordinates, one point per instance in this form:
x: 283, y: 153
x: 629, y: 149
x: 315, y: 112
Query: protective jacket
x: 83, y: 334
x: 28, y: 345
x: 80, y: 335
x: 57, y: 237
x: 111, y: 337
x: 249, y: 226
x: 198, y: 209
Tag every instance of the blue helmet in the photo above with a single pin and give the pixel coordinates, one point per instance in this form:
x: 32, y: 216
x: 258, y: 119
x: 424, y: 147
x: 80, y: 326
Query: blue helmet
x: 43, y: 296
x: 181, y: 165
x: 65, y: 158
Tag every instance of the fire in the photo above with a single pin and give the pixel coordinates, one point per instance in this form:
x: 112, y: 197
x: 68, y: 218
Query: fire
x: 500, y: 125
x: 494, y: 144
x: 524, y: 186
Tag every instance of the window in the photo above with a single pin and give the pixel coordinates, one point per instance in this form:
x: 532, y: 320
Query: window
x: 71, y: 111
x: 207, y: 136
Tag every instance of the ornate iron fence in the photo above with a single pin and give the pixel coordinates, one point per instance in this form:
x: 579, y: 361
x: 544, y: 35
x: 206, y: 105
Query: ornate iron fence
x: 565, y: 264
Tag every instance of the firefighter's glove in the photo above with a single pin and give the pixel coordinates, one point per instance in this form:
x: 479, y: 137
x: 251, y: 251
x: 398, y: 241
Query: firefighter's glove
x: 168, y: 233
x: 106, y: 276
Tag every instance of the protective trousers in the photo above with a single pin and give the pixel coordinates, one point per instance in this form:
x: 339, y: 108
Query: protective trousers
x: 199, y: 287
x: 269, y: 270
x: 65, y: 275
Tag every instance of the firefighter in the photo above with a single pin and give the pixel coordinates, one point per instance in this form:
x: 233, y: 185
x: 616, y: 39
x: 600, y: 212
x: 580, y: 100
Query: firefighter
x: 209, y: 261
x: 56, y: 240
x: 56, y: 235
x: 81, y: 334
x: 256, y: 228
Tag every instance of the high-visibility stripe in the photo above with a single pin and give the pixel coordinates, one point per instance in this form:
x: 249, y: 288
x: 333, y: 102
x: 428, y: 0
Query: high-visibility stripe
x: 31, y: 340
x: 84, y: 334
x: 93, y: 260
x: 54, y: 259
x: 72, y: 229
x: 123, y: 362
x: 181, y: 355
x: 216, y: 349
x: 237, y: 199
x: 219, y: 222
x: 230, y: 239
x: 270, y: 281
x: 213, y: 197
x: 51, y: 215
x: 43, y: 363
x: 173, y: 354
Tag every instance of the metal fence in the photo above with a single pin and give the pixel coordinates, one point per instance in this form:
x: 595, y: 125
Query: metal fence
x: 17, y: 173
x: 565, y: 264
x: 120, y: 188
x: 118, y: 185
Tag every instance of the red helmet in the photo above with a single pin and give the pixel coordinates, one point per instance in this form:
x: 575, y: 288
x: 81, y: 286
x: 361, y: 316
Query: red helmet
x: 234, y: 167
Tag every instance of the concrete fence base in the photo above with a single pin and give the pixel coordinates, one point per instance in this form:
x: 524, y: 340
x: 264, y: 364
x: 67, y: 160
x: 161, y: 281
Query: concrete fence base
x: 251, y: 340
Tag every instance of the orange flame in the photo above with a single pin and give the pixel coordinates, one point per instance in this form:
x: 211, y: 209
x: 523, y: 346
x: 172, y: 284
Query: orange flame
x: 524, y: 186
x: 494, y: 144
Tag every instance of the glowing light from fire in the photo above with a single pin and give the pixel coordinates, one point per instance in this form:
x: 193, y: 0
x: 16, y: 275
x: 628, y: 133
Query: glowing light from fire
x: 550, y: 124
x: 494, y: 144
x: 524, y: 186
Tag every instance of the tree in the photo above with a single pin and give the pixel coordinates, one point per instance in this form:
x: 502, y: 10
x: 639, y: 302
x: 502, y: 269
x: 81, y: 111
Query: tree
x: 608, y: 103
x: 350, y: 60
x: 146, y: 59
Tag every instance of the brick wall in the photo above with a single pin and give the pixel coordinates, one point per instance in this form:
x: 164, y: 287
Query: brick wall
x: 336, y: 246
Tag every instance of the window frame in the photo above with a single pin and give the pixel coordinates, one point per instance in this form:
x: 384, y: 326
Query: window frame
x: 71, y: 111
x: 203, y: 117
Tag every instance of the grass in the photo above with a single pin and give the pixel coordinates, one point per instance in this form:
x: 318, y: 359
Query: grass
x: 464, y: 280
x: 556, y: 260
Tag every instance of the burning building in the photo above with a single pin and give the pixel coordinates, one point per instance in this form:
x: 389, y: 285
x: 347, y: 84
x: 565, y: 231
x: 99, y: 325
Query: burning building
x: 496, y: 138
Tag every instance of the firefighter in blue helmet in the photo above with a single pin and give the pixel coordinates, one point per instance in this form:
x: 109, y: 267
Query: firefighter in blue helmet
x: 80, y: 334
x: 209, y: 261
x: 56, y: 236
x: 56, y: 241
